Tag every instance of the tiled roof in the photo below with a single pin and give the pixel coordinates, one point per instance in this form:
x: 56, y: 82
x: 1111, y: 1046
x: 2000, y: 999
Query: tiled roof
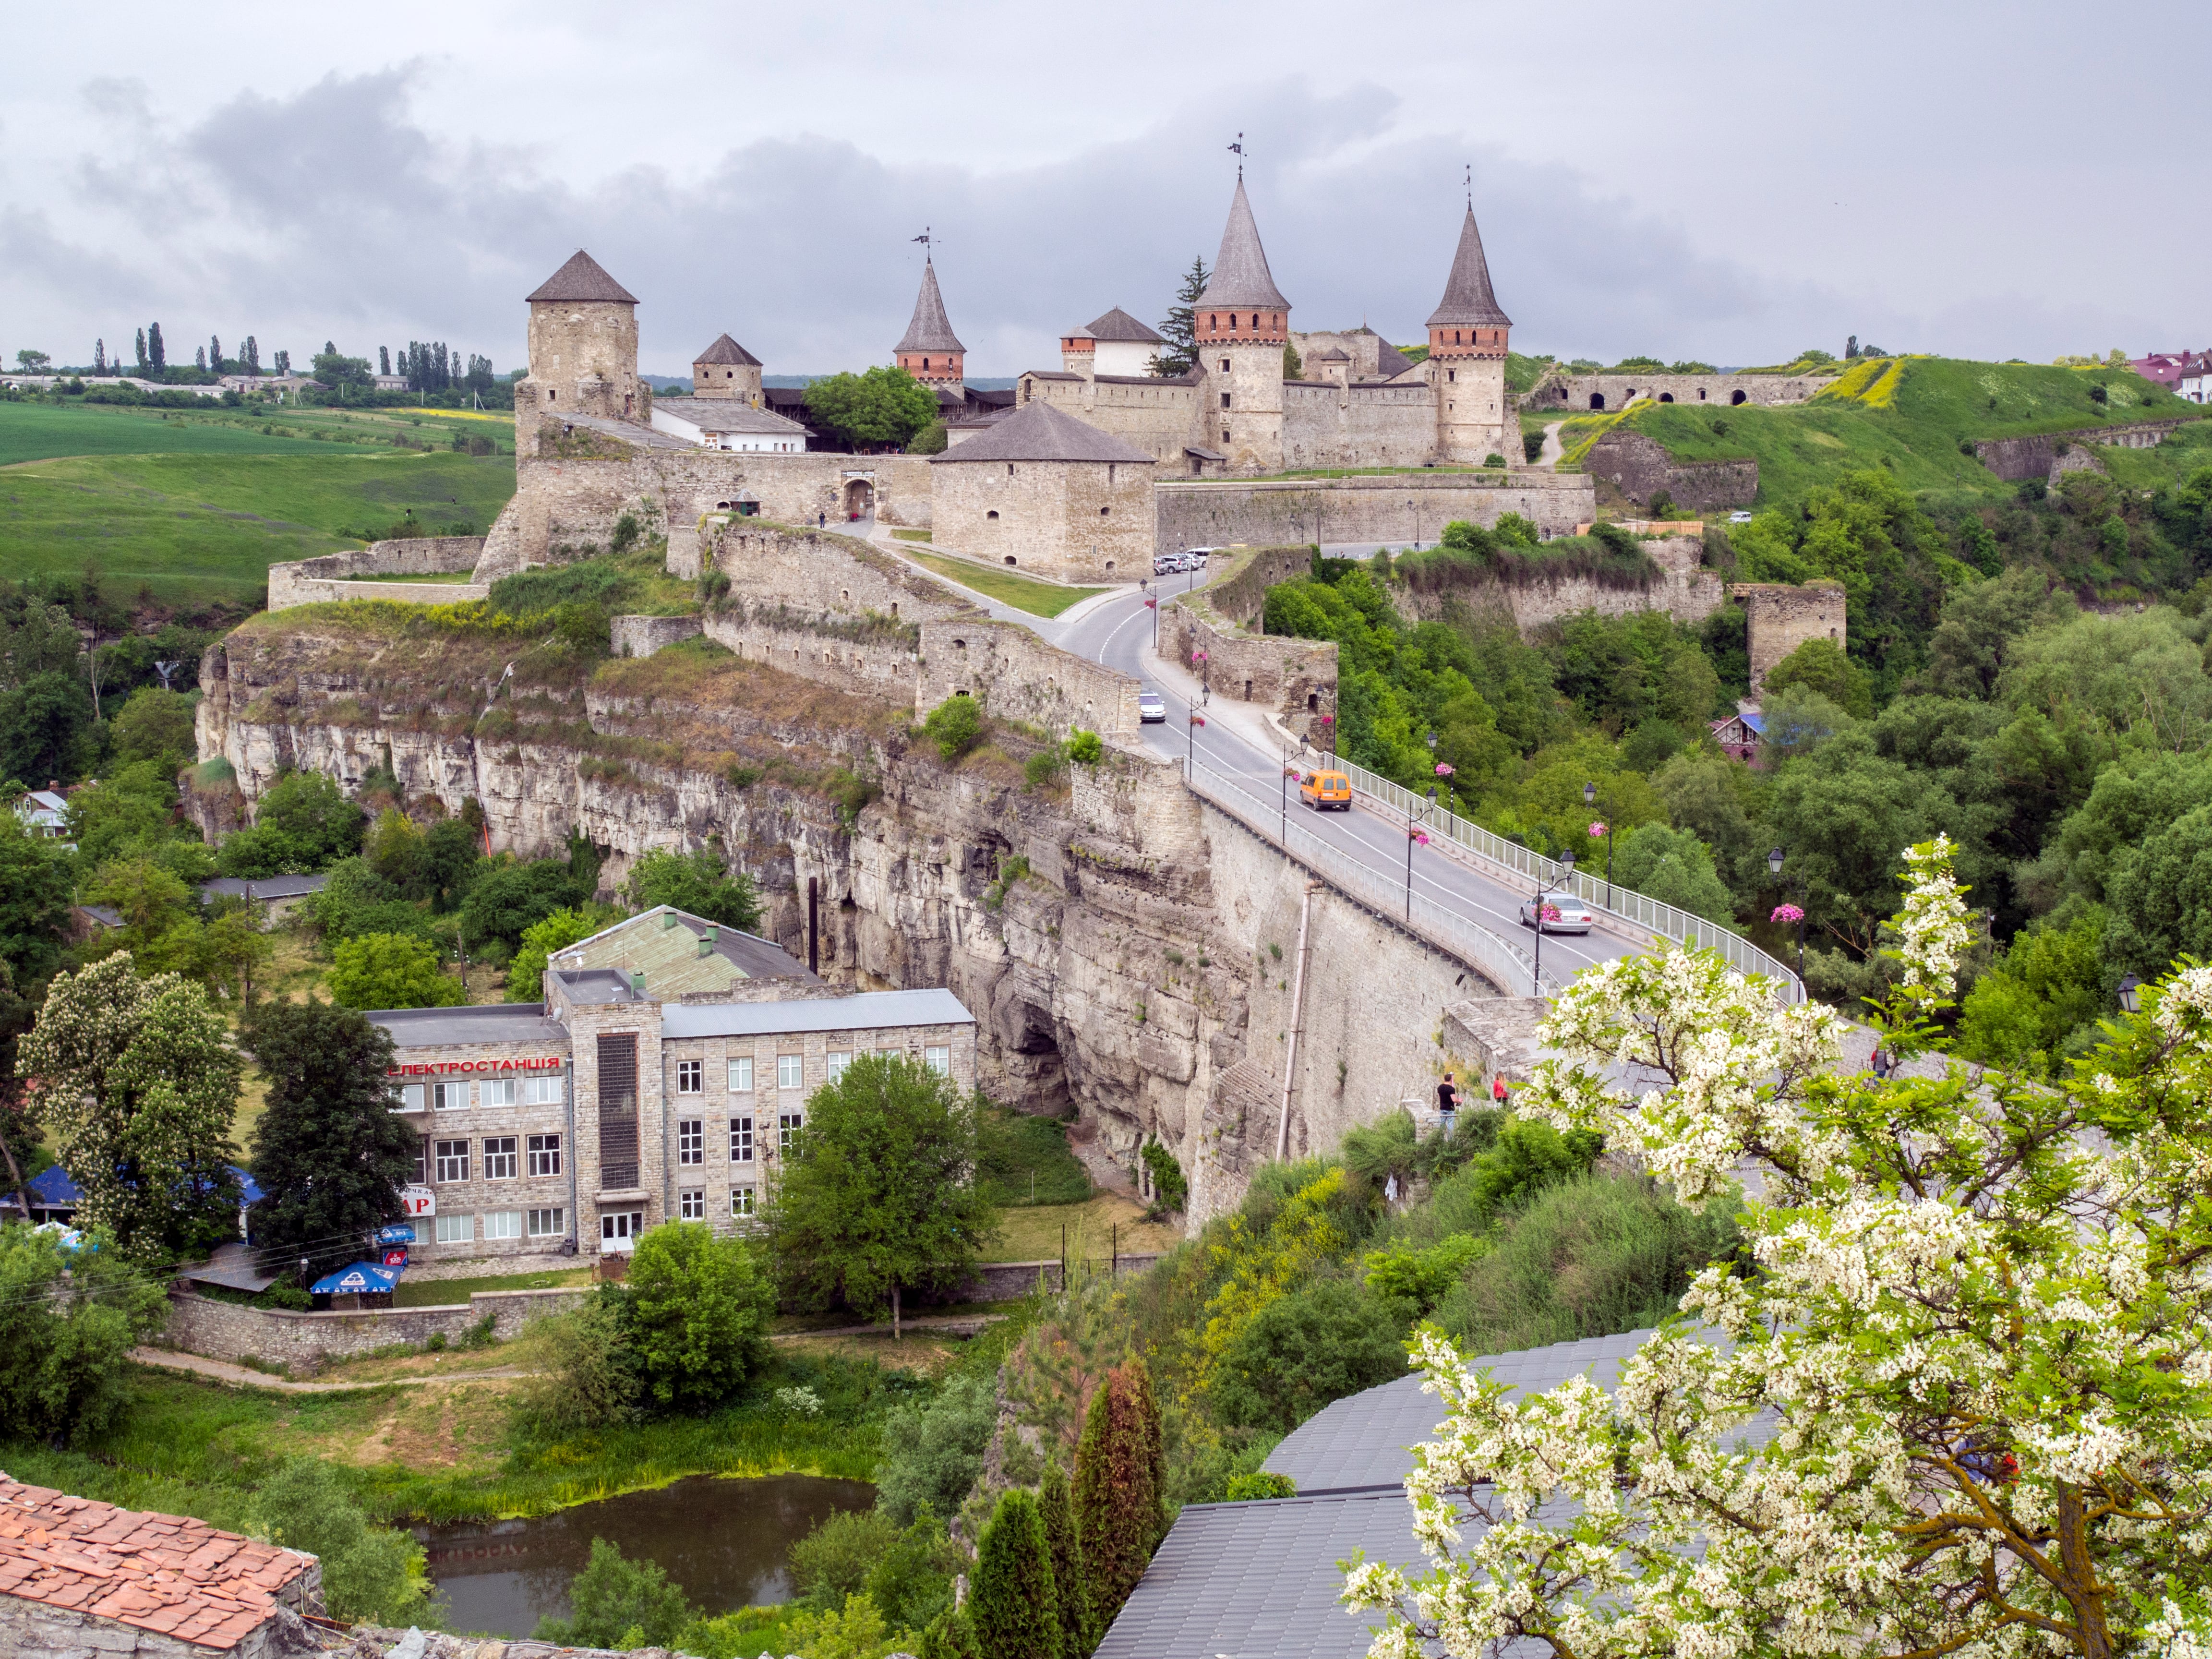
x: 1038, y: 432
x: 1467, y: 297
x: 581, y: 279
x: 727, y: 350
x: 1119, y: 325
x: 931, y: 330
x: 1241, y: 276
x: 165, y: 1573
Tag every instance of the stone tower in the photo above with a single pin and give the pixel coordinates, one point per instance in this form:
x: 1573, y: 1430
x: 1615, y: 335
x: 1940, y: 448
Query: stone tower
x: 583, y: 348
x: 727, y: 369
x: 1241, y: 323
x: 931, y: 351
x: 1467, y: 358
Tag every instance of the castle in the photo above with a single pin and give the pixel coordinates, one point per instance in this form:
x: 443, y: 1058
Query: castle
x: 1059, y: 475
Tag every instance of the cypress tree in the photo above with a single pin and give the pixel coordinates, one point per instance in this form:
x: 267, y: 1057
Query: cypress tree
x: 1155, y: 1447
x: 1057, y: 1505
x: 157, y: 355
x: 1016, y: 1615
x: 1116, y: 1497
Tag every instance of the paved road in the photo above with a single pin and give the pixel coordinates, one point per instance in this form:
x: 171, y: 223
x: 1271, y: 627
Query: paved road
x: 1116, y: 627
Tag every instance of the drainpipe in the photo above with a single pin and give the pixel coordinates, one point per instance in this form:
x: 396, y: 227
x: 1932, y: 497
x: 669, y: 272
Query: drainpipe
x: 1297, y: 1018
x: 568, y: 1120
x: 814, y: 925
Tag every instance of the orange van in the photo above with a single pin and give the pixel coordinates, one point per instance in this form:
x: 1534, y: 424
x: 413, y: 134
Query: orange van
x: 1322, y: 790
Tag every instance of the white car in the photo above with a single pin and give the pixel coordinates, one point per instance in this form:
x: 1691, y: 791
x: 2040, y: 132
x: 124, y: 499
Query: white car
x: 1197, y: 557
x: 1164, y: 564
x: 1152, y: 708
x: 1568, y: 915
x: 1739, y: 517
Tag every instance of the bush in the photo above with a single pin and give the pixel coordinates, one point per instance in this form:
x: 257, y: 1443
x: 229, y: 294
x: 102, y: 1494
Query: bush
x: 619, y: 1603
x: 702, y: 1307
x: 1171, y: 1191
x: 68, y: 1322
x: 583, y: 1374
x: 834, y: 1560
x: 933, y: 1453
x: 370, y: 1573
x: 1045, y: 769
x: 390, y: 970
x: 1243, y: 1488
x: 1304, y: 1350
x: 955, y: 725
x: 1085, y: 748
x: 855, y: 1632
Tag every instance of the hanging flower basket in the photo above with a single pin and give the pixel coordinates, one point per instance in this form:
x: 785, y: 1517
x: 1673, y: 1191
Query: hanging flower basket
x: 1788, y: 913
x: 1597, y: 830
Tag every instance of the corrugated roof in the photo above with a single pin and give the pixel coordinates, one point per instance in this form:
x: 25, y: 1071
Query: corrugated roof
x: 727, y: 350
x: 1119, y: 325
x: 582, y: 278
x: 1038, y: 432
x: 931, y: 329
x: 1241, y: 276
x: 1468, y: 298
x: 669, y: 956
x: 868, y: 1011
x: 266, y: 887
x: 497, y: 1022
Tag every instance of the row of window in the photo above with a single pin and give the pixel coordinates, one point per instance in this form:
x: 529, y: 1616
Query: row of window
x: 692, y: 1137
x: 452, y: 1097
x: 791, y: 1069
x: 503, y: 1224
x: 691, y: 1203
x: 505, y: 1157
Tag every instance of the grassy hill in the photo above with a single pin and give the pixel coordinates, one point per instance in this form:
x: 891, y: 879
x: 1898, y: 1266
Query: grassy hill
x: 1912, y: 413
x: 195, y: 508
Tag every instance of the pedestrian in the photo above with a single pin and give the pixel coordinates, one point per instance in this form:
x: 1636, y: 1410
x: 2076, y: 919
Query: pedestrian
x: 821, y: 520
x: 1447, y: 1102
x: 1883, y: 1065
x: 1498, y: 1090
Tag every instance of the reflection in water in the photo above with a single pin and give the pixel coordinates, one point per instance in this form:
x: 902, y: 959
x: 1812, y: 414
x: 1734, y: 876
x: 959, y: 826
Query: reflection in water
x: 723, y: 1542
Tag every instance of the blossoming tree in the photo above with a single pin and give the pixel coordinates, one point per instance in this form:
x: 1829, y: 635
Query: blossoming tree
x: 1962, y: 1405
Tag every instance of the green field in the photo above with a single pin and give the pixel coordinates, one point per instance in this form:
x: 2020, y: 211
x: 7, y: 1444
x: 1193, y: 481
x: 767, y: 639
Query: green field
x: 1915, y: 423
x: 1023, y: 593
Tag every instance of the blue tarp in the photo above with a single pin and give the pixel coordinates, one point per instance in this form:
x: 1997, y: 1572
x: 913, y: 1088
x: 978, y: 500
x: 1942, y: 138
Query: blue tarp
x: 52, y: 1187
x: 362, y: 1276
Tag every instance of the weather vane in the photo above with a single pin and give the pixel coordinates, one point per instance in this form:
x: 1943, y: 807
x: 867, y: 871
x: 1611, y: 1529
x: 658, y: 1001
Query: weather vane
x: 1238, y: 149
x: 924, y: 239
x: 1470, y: 186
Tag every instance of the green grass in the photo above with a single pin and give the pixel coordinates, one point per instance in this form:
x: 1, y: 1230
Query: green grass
x: 33, y: 432
x: 206, y: 526
x: 457, y: 578
x: 1937, y: 403
x: 1025, y: 1160
x: 1039, y: 599
x: 443, y: 1292
x: 910, y: 535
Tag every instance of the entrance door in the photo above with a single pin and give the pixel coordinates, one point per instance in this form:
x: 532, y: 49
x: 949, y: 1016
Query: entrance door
x: 618, y: 1231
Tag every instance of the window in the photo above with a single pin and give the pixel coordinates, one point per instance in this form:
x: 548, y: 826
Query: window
x: 457, y: 1230
x: 499, y: 1159
x: 791, y: 1071
x: 690, y: 1075
x: 541, y: 1091
x: 741, y: 1076
x: 421, y: 1159
x: 1224, y: 365
x: 691, y: 1140
x: 449, y: 1097
x: 1224, y: 400
x: 498, y: 1091
x: 547, y: 1224
x: 788, y: 1127
x: 407, y: 1097
x: 938, y: 1059
x: 544, y: 1152
x: 452, y: 1160
x: 741, y: 1201
x: 692, y: 1204
x: 741, y: 1140
x: 503, y: 1224
x: 837, y: 1060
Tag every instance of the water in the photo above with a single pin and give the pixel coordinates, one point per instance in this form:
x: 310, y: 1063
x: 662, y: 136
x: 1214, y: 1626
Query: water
x: 725, y: 1541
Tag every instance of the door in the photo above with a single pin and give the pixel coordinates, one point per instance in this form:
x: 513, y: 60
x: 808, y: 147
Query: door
x: 618, y: 1231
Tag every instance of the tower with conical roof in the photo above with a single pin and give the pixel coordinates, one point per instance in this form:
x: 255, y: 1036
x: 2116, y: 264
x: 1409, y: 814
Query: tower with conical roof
x: 583, y: 347
x: 930, y: 350
x: 1241, y: 323
x: 1467, y: 334
x: 727, y: 369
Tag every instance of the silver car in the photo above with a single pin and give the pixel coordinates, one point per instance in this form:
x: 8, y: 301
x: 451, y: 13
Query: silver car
x: 1569, y: 915
x: 1152, y: 708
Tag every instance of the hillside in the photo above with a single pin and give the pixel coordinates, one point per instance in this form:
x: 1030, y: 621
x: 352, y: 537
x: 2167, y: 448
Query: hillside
x: 1911, y: 416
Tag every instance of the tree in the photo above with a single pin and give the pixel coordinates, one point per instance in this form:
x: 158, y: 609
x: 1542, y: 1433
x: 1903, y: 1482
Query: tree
x: 69, y: 1319
x: 1672, y: 866
x: 336, y: 371
x: 137, y: 1080
x: 32, y: 362
x: 1976, y: 1329
x: 329, y: 1152
x: 1180, y: 326
x: 881, y: 409
x: 215, y: 353
x: 1016, y: 1613
x: 880, y: 1199
x: 694, y: 883
x: 618, y: 1603
x: 157, y: 355
x: 505, y: 899
x: 1071, y: 1584
x: 1120, y: 1504
x: 313, y: 812
x: 1820, y: 665
x: 34, y: 904
x: 932, y: 1451
x: 702, y: 1307
x: 43, y: 725
x: 371, y: 1573
x: 142, y: 352
x: 156, y: 726
x: 526, y: 975
x: 911, y: 1581
x: 834, y: 1560
x: 392, y: 970
x: 384, y: 360
x: 1294, y: 368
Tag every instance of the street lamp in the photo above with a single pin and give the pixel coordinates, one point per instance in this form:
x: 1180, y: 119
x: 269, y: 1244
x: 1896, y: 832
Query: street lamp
x: 1597, y: 828
x: 1788, y: 912
x: 1567, y: 864
x: 2130, y: 994
x: 1412, y: 836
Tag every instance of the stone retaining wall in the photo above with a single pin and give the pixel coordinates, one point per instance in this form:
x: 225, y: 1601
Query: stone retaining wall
x: 304, y: 1342
x: 1641, y: 468
x: 318, y: 581
x: 1019, y: 676
x: 2014, y: 459
x: 642, y: 636
x: 1295, y: 677
x: 1399, y: 508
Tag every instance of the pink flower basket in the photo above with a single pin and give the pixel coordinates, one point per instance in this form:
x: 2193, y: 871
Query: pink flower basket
x: 1596, y: 831
x: 1788, y: 913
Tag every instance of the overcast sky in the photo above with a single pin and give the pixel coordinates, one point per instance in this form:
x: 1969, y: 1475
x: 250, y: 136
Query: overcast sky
x: 1729, y: 181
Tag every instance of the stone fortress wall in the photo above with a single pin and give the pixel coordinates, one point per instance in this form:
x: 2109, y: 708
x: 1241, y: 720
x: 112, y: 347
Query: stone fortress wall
x: 1685, y: 589
x: 1399, y: 508
x: 1779, y: 618
x: 1640, y: 468
x: 1073, y: 520
x: 1324, y: 424
x: 1296, y: 678
x: 1584, y: 392
x: 2014, y: 459
x: 335, y: 576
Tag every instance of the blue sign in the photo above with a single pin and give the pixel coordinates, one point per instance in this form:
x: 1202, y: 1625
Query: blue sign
x: 398, y: 1233
x: 363, y: 1277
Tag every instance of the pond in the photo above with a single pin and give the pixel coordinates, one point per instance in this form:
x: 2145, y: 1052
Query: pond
x: 725, y: 1541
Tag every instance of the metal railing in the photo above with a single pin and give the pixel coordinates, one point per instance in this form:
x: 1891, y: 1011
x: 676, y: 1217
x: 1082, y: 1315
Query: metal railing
x: 1505, y: 964
x: 1533, y: 868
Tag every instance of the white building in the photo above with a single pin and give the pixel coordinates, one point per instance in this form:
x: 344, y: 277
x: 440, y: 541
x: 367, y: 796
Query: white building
x: 1117, y: 343
x: 726, y: 423
x: 43, y: 813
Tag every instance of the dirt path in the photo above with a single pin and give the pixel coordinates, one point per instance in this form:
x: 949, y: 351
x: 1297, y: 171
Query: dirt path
x: 1549, y: 455
x: 222, y: 1370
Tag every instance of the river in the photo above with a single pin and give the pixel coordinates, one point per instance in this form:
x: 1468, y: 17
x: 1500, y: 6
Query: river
x: 725, y: 1541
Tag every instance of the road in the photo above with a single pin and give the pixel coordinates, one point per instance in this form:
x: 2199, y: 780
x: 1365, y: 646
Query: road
x: 1116, y: 629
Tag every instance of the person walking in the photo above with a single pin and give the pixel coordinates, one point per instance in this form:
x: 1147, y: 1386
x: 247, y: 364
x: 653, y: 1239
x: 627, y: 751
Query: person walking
x: 1447, y: 1102
x: 1883, y: 1064
x: 1498, y: 1090
x: 821, y: 520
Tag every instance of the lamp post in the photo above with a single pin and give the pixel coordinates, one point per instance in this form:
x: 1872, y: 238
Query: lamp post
x: 1412, y: 836
x: 1597, y: 828
x: 2130, y: 994
x: 1567, y: 864
x: 1774, y: 869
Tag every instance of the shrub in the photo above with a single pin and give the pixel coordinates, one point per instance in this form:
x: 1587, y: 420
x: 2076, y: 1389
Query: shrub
x: 1016, y: 1613
x: 619, y: 1603
x: 1243, y: 1488
x: 1085, y: 748
x: 1172, y: 1190
x: 1045, y: 769
x: 583, y: 1375
x: 370, y: 1573
x: 955, y: 725
x: 931, y: 1453
x: 856, y: 1632
x: 392, y: 970
x: 1304, y: 1350
x: 702, y: 1307
x: 911, y: 1583
x: 68, y: 1323
x: 834, y: 1560
x: 625, y: 534
x: 1421, y: 1276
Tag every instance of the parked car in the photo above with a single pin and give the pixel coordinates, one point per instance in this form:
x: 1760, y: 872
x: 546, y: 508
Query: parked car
x: 1570, y: 914
x: 1164, y: 564
x: 1152, y: 708
x: 1324, y: 790
x: 1739, y: 517
x: 1198, y: 556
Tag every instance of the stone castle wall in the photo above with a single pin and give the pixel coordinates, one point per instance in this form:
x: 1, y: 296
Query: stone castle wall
x: 1575, y: 391
x: 1640, y: 468
x: 1086, y: 520
x: 880, y: 666
x: 1157, y: 417
x: 1779, y: 618
x: 1359, y: 426
x: 1017, y: 675
x: 827, y: 573
x: 2014, y: 459
x: 313, y: 581
x: 1240, y: 595
x: 1296, y: 678
x: 1684, y: 590
x: 1215, y: 512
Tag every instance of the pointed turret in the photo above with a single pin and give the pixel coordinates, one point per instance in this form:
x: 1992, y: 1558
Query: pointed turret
x: 1469, y: 322
x: 1241, y: 301
x: 583, y: 345
x: 727, y: 369
x: 931, y: 351
x: 583, y: 279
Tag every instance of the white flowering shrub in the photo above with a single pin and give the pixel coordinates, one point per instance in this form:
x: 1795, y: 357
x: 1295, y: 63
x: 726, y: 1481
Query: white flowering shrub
x: 1963, y: 1404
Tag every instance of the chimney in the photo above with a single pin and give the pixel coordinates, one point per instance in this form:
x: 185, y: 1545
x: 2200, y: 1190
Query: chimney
x: 637, y: 983
x: 707, y: 938
x: 667, y: 919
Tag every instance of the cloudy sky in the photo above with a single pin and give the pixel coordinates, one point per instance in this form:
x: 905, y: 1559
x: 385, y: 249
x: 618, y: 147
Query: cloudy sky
x: 1729, y: 181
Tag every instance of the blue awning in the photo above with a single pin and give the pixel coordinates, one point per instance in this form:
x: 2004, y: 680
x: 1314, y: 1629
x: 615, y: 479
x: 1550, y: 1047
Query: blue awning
x: 52, y: 1186
x: 362, y: 1277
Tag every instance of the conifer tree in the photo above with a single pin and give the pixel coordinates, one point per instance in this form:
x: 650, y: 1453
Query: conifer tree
x: 157, y: 355
x: 1117, y: 1499
x: 141, y: 352
x: 1016, y: 1614
x: 214, y: 352
x: 1056, y: 1503
x: 1180, y: 326
x: 249, y: 356
x: 950, y: 1635
x: 99, y: 356
x: 384, y: 360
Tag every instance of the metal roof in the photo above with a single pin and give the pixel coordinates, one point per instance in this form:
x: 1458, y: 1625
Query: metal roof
x: 1119, y: 325
x: 1468, y: 296
x: 1038, y: 432
x: 265, y: 887
x: 931, y: 329
x: 497, y: 1022
x: 664, y: 944
x: 868, y: 1011
x: 1241, y: 276
x: 582, y: 278
x: 727, y: 415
